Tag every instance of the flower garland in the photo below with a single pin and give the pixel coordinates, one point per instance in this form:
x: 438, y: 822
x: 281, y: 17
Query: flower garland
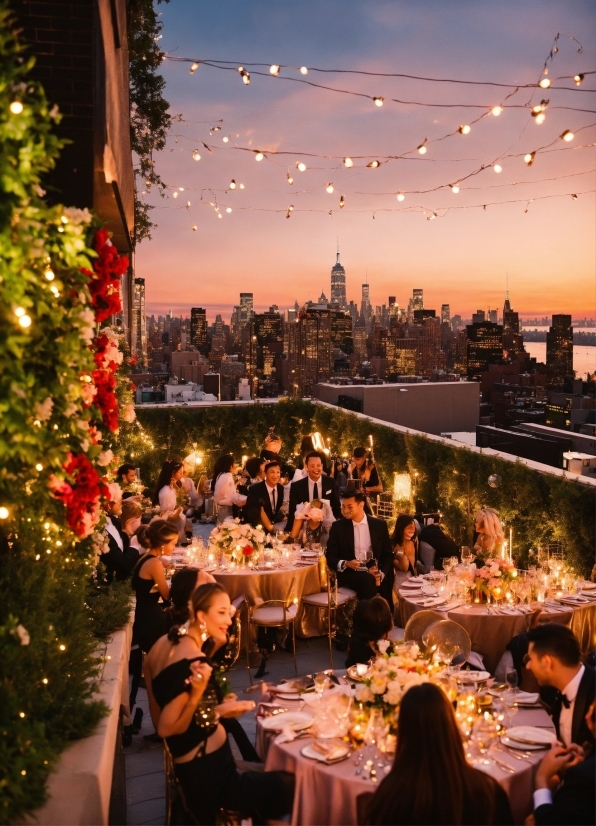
x: 104, y: 284
x: 81, y: 494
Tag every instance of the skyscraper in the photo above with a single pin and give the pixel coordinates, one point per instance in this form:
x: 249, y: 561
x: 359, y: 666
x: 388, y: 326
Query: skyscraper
x: 338, y: 284
x: 484, y: 347
x: 246, y: 309
x: 513, y: 342
x: 417, y: 299
x: 366, y: 307
x: 138, y: 335
x: 559, y: 348
x: 445, y: 314
x: 198, y: 330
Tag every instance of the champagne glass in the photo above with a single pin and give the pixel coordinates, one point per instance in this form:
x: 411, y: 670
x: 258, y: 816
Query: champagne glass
x: 509, y: 701
x: 321, y: 681
x: 484, y: 734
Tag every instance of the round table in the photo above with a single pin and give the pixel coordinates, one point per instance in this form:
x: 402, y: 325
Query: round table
x: 275, y: 583
x: 328, y: 794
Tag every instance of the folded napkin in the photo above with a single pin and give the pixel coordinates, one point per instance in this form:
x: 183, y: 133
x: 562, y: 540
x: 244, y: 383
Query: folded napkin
x: 527, y: 697
x: 287, y: 735
x: 331, y: 751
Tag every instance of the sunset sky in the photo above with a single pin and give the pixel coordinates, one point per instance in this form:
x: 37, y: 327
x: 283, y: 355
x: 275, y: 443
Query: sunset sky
x: 462, y: 258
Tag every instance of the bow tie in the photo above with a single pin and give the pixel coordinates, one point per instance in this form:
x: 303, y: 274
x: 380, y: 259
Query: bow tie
x: 564, y: 700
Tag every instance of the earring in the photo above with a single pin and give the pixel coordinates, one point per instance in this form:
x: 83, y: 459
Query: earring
x: 203, y: 629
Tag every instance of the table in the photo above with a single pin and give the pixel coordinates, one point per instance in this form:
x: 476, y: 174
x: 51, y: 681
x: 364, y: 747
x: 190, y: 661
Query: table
x: 328, y: 794
x: 275, y: 583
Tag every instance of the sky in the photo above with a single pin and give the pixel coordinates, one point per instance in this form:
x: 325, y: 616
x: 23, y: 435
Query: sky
x: 545, y: 246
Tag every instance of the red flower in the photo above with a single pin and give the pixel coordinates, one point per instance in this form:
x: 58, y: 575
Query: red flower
x: 247, y: 550
x: 133, y: 360
x: 81, y: 495
x: 104, y: 284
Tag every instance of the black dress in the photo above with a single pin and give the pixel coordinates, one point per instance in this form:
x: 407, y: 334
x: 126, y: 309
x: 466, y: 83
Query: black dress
x: 150, y: 620
x: 211, y: 781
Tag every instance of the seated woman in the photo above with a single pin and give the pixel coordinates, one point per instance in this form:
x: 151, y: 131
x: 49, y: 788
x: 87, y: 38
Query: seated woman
x: 431, y: 781
x: 195, y: 499
x: 372, y: 621
x: 121, y: 557
x: 224, y: 490
x: 489, y: 533
x: 311, y: 523
x: 405, y: 549
x: 179, y: 677
x: 167, y: 493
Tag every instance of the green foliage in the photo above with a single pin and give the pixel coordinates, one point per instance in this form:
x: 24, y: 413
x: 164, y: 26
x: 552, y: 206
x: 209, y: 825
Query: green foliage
x: 539, y: 508
x: 109, y: 608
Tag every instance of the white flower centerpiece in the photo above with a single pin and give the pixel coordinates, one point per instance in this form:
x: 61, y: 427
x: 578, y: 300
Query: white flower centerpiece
x: 241, y: 543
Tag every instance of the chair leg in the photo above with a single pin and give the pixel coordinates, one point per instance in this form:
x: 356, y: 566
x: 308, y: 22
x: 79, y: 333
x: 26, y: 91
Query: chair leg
x: 248, y: 649
x: 329, y: 635
x: 294, y: 646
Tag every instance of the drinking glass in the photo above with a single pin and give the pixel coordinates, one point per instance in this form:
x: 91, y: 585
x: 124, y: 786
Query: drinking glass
x: 509, y: 701
x: 447, y: 564
x: 466, y: 555
x: 321, y: 681
x: 484, y: 734
x: 511, y: 678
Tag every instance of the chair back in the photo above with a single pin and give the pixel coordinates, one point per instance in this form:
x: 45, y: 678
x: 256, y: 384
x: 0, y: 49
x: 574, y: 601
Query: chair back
x: 426, y: 555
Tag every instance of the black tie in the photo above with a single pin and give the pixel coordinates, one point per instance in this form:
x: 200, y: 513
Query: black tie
x: 315, y: 491
x: 273, y: 499
x: 565, y: 701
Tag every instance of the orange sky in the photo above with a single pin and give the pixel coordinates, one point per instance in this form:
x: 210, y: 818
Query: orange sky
x: 462, y: 258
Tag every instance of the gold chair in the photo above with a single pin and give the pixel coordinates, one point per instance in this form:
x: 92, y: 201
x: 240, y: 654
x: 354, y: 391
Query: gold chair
x: 332, y: 598
x: 274, y: 613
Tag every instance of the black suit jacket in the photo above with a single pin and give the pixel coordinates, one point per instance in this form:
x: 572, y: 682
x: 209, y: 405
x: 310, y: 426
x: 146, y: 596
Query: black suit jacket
x: 574, y: 801
x: 119, y: 563
x: 299, y: 493
x: 258, y: 497
x: 586, y: 692
x: 444, y: 546
x: 340, y: 545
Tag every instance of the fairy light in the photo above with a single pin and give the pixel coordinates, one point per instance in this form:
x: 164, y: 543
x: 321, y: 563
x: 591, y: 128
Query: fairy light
x: 196, y: 156
x: 567, y: 136
x: 544, y: 83
x: 373, y: 165
x: 329, y: 188
x: 574, y: 197
x: 62, y: 647
x: 25, y: 321
x: 188, y: 204
x: 219, y: 215
x: 194, y: 227
x: 39, y: 467
x: 465, y: 129
x: 378, y: 101
x: 259, y: 156
x: 579, y: 79
x: 422, y: 149
x: 496, y: 110
x: 498, y: 168
x: 244, y: 75
x: 16, y: 107
x: 455, y: 189
x: 228, y: 209
x: 539, y: 118
x: 45, y: 681
x: 301, y: 166
x: 274, y: 69
x: 529, y: 158
x: 342, y: 202
x: 4, y: 513
x: 55, y: 290
x: 241, y: 186
x: 194, y: 68
x: 225, y: 139
x: 303, y: 70
x: 174, y: 195
x: 49, y: 274
x: 348, y: 163
x: 290, y: 179
x: 64, y: 219
x: 232, y: 184
x: 20, y: 311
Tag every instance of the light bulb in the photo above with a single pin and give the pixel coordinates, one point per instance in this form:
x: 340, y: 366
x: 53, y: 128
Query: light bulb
x: 241, y: 186
x: 303, y: 70
x: 455, y: 189
x: 4, y: 513
x: 19, y: 312
x: 329, y: 188
x: 290, y: 179
x: 232, y: 184
x: 498, y: 168
x: 300, y: 166
x: 540, y: 118
x: 196, y: 156
x: 39, y: 467
x: 226, y: 139
x: 288, y: 213
x: 291, y: 208
x: 378, y: 101
x: 25, y: 321
x: 544, y: 83
x: 175, y: 195
x: 342, y: 202
x: 574, y: 197
x: 348, y: 162
x: 219, y: 215
x: 579, y: 79
x: 529, y: 158
x: 194, y: 227
x: 400, y: 196
x: 274, y: 69
x: 259, y: 156
x: 567, y: 135
x: 228, y: 209
x: 181, y: 188
x: 422, y: 149
x: 16, y: 107
x: 194, y: 68
x: 49, y: 274
x: 187, y: 204
x: 496, y: 110
x: 465, y: 129
x: 373, y: 164
x: 54, y: 290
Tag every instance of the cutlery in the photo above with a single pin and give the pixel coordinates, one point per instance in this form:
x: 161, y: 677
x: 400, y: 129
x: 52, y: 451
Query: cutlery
x: 503, y: 766
x: 511, y: 753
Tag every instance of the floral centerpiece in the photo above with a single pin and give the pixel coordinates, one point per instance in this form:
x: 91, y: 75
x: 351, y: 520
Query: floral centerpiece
x: 390, y: 675
x: 241, y: 542
x: 492, y: 578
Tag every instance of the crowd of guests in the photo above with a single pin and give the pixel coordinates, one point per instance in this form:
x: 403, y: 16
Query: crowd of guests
x: 183, y: 631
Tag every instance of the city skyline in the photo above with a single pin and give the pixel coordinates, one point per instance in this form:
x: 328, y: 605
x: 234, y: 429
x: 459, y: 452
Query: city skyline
x: 544, y: 244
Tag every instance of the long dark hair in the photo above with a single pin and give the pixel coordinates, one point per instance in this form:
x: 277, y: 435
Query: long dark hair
x: 168, y: 469
x: 183, y: 584
x: 223, y: 465
x: 430, y: 781
x: 401, y: 523
x: 201, y: 600
x: 156, y: 533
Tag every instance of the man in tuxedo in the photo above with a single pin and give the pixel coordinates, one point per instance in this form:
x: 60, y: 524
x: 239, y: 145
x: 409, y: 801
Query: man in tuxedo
x: 352, y: 540
x: 554, y: 658
x: 432, y: 533
x: 263, y: 506
x: 315, y: 485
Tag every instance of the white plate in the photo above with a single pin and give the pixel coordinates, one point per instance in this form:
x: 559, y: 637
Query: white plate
x: 296, y: 720
x: 339, y: 751
x: 353, y: 674
x: 588, y: 586
x: 522, y: 698
x: 530, y: 735
x: 431, y: 602
x: 515, y: 744
x: 288, y: 697
x: 408, y: 583
x: 309, y: 554
x: 473, y: 676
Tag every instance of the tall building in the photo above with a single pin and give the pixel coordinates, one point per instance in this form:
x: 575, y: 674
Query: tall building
x: 338, y: 284
x: 445, y: 314
x: 246, y: 309
x: 484, y: 347
x: 513, y: 342
x: 559, y: 348
x: 417, y: 300
x: 138, y: 322
x: 198, y: 330
x: 311, y: 341
x: 479, y: 317
x: 268, y: 328
x: 366, y: 307
x: 493, y: 316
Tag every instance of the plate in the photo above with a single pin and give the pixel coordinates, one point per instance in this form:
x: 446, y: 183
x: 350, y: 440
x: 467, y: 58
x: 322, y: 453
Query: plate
x: 515, y: 744
x: 326, y: 751
x: 431, y: 602
x: 473, y: 676
x: 586, y: 585
x: 523, y: 698
x: 296, y: 720
x: 408, y: 583
x: 530, y: 735
x: 353, y: 674
x: 309, y: 554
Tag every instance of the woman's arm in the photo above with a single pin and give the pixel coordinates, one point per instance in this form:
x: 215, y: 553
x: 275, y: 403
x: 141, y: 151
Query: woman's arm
x: 158, y: 575
x: 296, y: 528
x: 176, y: 716
x: 225, y: 491
x: 154, y: 709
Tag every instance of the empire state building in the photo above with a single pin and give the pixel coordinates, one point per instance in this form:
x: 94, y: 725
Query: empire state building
x: 338, y: 284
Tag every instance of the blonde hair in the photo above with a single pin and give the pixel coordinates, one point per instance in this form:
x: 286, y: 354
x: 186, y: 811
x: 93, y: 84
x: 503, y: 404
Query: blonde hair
x: 492, y: 528
x: 130, y: 510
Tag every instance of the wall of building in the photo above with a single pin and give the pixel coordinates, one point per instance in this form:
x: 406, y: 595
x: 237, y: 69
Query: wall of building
x: 432, y: 407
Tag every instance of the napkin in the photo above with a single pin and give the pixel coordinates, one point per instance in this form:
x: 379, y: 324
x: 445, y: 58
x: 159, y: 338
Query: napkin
x: 527, y: 697
x: 330, y: 751
x: 287, y: 735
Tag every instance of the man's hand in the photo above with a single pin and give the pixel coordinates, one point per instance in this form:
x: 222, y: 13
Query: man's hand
x: 554, y: 763
x: 377, y: 575
x: 354, y: 564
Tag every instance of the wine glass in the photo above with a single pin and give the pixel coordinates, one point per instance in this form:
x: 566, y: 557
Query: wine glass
x: 484, y: 734
x: 466, y: 555
x: 511, y: 678
x: 321, y: 681
x: 447, y: 564
x: 510, y: 703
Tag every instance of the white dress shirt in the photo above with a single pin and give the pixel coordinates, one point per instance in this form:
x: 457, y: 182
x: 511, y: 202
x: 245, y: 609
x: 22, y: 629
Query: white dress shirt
x: 566, y: 716
x: 299, y: 474
x: 225, y: 492
x: 311, y: 488
x: 362, y: 542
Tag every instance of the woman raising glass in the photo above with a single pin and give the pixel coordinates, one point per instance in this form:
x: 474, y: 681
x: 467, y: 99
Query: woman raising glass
x: 186, y: 705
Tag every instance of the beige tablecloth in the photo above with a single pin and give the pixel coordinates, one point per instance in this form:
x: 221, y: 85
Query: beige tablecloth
x: 275, y: 584
x: 583, y: 625
x: 328, y: 794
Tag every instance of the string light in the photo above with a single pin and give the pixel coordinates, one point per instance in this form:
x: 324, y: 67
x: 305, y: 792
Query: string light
x: 229, y: 209
x: 49, y: 274
x: 175, y: 195
x: 539, y: 118
x: 545, y: 82
x: 496, y: 110
x: 259, y: 156
x: 4, y: 513
x: 400, y: 196
x: 196, y: 156
x: 226, y: 139
x: 329, y: 188
x: 455, y: 189
x: 16, y: 107
x: 465, y: 129
x: 188, y: 204
x: 274, y: 69
x: 290, y: 179
x: 567, y: 136
x: 342, y: 202
x: 529, y: 158
x: 54, y: 290
x: 373, y: 165
x: 241, y: 186
x: 194, y: 68
x: 301, y: 166
x: 579, y: 79
x: 498, y: 168
x: 194, y: 227
x: 574, y: 197
x: 378, y: 101
x: 39, y: 467
x: 422, y: 148
x: 303, y: 70
x: 232, y: 184
x: 348, y: 163
x: 244, y: 75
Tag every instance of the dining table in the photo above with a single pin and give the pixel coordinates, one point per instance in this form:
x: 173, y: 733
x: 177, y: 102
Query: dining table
x: 328, y: 793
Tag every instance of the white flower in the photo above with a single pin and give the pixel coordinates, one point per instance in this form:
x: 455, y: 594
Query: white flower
x: 105, y: 458
x: 364, y: 694
x: 70, y: 409
x: 378, y: 685
x: 88, y: 392
x: 392, y: 697
x: 43, y: 410
x: 77, y: 216
x: 128, y: 413
x: 115, y: 492
x: 22, y: 634
x: 87, y: 326
x: 383, y: 645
